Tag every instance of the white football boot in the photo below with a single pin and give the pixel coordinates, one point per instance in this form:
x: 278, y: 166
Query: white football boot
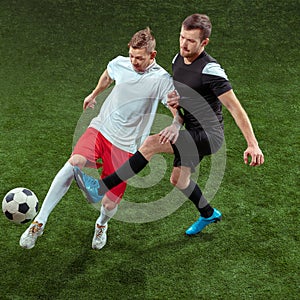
x: 100, y: 237
x: 29, y: 237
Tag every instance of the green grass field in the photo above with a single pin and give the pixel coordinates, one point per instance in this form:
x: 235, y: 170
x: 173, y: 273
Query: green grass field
x: 52, y: 53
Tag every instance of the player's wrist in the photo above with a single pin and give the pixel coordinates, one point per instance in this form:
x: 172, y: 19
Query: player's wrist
x: 252, y: 143
x: 94, y: 94
x: 176, y: 124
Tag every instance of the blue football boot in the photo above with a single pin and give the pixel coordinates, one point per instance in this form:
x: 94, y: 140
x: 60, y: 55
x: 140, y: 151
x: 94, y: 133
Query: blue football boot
x: 201, y: 223
x: 88, y: 185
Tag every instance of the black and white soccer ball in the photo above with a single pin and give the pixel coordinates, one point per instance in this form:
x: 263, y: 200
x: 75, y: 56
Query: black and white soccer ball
x: 20, y: 205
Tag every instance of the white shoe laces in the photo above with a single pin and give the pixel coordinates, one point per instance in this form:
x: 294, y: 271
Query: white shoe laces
x: 100, y: 231
x: 35, y: 228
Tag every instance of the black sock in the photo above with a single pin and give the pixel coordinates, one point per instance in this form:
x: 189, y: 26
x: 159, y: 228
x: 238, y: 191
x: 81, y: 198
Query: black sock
x: 206, y: 211
x: 131, y: 167
x: 194, y: 193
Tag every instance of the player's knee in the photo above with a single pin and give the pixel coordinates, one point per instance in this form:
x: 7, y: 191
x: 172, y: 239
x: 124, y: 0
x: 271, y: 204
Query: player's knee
x: 109, y: 204
x: 174, y: 179
x: 150, y: 147
x: 175, y: 175
x: 179, y: 181
x: 151, y: 141
x: 77, y: 160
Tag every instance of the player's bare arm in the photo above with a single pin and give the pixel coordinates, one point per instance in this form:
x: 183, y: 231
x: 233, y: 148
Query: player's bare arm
x: 171, y: 133
x: 173, y: 99
x: 230, y: 101
x: 104, y: 82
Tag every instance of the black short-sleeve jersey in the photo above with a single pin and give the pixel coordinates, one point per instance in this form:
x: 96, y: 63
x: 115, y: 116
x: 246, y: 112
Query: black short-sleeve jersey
x: 204, y: 77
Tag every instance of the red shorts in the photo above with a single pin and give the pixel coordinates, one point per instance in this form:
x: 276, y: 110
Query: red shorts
x: 94, y: 147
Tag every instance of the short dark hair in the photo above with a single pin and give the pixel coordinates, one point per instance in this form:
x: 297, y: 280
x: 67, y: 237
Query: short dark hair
x: 143, y: 39
x: 198, y: 21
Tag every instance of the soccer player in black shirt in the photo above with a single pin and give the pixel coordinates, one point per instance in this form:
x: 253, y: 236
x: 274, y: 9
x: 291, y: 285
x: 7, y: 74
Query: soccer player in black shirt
x: 202, y: 87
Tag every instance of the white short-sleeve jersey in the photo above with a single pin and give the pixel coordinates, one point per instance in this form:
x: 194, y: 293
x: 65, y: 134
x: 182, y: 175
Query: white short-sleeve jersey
x: 127, y: 114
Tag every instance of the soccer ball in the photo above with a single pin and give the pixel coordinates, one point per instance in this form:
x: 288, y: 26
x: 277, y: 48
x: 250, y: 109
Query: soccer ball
x: 20, y: 205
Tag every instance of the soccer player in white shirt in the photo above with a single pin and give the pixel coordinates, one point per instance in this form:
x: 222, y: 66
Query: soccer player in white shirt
x: 203, y: 89
x: 123, y: 123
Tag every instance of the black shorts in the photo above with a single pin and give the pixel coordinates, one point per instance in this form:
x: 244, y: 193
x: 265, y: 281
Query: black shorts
x: 192, y: 145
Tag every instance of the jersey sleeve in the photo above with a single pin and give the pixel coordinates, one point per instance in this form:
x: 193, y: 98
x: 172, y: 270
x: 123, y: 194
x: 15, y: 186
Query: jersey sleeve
x: 174, y: 58
x: 167, y: 87
x: 112, y: 68
x: 216, y: 78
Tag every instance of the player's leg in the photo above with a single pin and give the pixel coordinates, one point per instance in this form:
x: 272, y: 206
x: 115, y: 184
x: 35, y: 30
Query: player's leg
x: 189, y: 150
x: 181, y: 179
x: 107, y: 211
x: 95, y: 189
x: 112, y: 158
x: 137, y: 162
x: 59, y: 186
x: 152, y: 146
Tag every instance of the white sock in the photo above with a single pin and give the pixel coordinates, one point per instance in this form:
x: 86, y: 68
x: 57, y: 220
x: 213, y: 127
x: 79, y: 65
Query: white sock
x: 60, y: 185
x: 106, y: 215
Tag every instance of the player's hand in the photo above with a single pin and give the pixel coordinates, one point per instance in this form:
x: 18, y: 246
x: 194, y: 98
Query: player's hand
x: 173, y: 99
x: 257, y: 157
x: 89, y: 102
x: 169, y: 134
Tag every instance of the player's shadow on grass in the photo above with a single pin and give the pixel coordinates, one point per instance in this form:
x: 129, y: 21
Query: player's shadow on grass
x: 200, y: 237
x: 55, y: 265
x: 176, y: 241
